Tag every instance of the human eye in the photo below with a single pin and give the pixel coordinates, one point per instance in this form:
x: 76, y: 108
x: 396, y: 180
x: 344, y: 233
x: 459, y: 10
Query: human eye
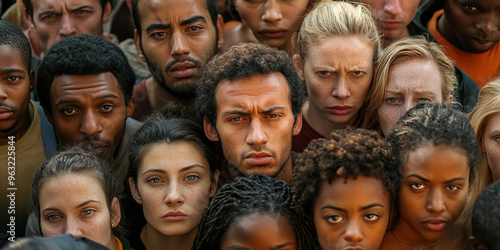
x: 194, y: 28
x: 82, y: 12
x: 334, y: 218
x: 358, y: 74
x: 324, y: 73
x: 417, y: 186
x: 424, y: 100
x: 235, y: 119
x: 107, y: 107
x: 88, y: 212
x: 154, y: 180
x: 469, y: 8
x: 273, y: 116
x: 69, y: 111
x: 453, y: 187
x: 192, y: 178
x: 48, y: 17
x: 372, y: 217
x: 14, y: 78
x: 159, y: 35
x: 392, y: 100
x: 53, y: 217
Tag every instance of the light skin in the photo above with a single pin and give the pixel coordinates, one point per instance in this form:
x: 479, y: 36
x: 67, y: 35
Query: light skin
x: 393, y: 17
x: 434, y: 187
x: 54, y: 20
x: 338, y: 72
x: 174, y: 186
x: 76, y: 204
x: 273, y: 21
x: 89, y: 108
x: 491, y: 144
x: 409, y: 83
x: 260, y: 232
x: 176, y: 42
x: 16, y: 84
x: 255, y: 125
x: 352, y: 213
x: 471, y: 26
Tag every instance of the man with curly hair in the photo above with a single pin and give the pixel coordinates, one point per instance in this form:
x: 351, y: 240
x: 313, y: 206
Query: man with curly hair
x: 251, y: 99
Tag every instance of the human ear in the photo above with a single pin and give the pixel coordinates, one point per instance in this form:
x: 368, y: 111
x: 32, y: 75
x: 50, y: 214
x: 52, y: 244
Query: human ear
x: 210, y: 130
x: 220, y: 32
x: 130, y: 106
x: 134, y: 191
x: 451, y: 100
x: 106, y: 12
x: 116, y: 214
x: 297, y: 127
x: 297, y: 62
x: 137, y: 41
x: 213, y: 188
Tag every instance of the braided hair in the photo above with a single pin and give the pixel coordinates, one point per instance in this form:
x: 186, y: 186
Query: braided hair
x: 248, y: 195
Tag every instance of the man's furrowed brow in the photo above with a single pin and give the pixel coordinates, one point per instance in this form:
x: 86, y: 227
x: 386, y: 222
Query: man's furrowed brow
x: 193, y: 19
x: 157, y: 26
x: 235, y: 112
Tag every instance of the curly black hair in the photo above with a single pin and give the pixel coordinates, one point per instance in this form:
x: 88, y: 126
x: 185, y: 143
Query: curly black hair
x: 12, y: 36
x: 437, y: 125
x: 83, y: 55
x: 346, y: 153
x: 486, y: 217
x: 249, y: 195
x: 243, y: 61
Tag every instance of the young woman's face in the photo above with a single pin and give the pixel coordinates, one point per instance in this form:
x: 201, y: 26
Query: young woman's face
x: 409, y: 83
x: 434, y: 187
x: 338, y: 72
x: 76, y: 204
x: 352, y: 214
x: 491, y: 144
x: 273, y: 21
x: 260, y: 232
x: 173, y: 186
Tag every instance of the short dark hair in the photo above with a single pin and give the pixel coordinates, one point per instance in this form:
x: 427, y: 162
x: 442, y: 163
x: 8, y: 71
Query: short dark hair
x: 249, y: 195
x: 345, y: 154
x: 211, y: 7
x: 29, y: 6
x: 437, y: 125
x: 486, y: 217
x: 243, y: 61
x: 83, y: 55
x: 79, y: 158
x: 12, y: 36
x: 158, y: 130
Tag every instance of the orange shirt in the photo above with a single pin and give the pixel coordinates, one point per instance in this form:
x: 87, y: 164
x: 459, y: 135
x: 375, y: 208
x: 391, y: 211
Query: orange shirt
x: 480, y: 67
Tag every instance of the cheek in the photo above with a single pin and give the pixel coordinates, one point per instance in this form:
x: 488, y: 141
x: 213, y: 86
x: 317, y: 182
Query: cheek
x: 493, y: 157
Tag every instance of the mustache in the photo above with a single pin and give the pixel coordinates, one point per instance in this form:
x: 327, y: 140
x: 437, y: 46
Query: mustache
x: 196, y: 62
x: 8, y: 107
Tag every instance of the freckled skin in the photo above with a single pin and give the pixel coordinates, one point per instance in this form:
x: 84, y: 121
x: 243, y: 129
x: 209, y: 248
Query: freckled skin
x: 365, y: 219
x: 57, y: 19
x: 260, y: 232
x: 491, y: 144
x: 338, y: 72
x: 61, y: 211
x: 409, y: 83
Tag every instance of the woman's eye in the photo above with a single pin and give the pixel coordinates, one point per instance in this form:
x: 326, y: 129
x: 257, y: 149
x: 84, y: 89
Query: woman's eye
x: 53, y: 217
x: 154, y: 180
x: 417, y: 186
x: 453, y: 187
x: 192, y: 178
x: 334, y: 219
x: 88, y: 211
x: 372, y: 217
x: 392, y: 100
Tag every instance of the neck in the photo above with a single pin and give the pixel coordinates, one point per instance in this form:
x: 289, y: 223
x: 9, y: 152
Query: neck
x: 386, y: 41
x: 405, y: 234
x: 320, y: 123
x: 159, y: 97
x: 20, y: 127
x: 153, y: 239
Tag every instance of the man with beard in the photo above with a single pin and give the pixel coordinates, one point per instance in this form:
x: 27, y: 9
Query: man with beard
x: 251, y: 98
x: 85, y: 87
x: 176, y: 38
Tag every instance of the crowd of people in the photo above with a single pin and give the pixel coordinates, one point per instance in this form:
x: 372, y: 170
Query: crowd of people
x: 250, y: 124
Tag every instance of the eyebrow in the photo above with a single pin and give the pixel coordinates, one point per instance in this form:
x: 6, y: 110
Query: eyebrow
x: 11, y: 70
x: 446, y: 182
x: 238, y: 247
x: 190, y: 167
x: 81, y: 7
x: 78, y: 206
x: 333, y: 207
x: 371, y: 206
x: 181, y: 170
x: 45, y: 12
x: 455, y: 179
x: 418, y: 176
x: 157, y: 26
x: 281, y: 246
x: 66, y: 101
x: 267, y: 110
x: 193, y: 19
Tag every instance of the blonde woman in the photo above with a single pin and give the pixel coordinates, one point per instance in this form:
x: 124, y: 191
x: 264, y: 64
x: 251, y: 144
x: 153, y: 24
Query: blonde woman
x: 410, y: 71
x: 338, y: 45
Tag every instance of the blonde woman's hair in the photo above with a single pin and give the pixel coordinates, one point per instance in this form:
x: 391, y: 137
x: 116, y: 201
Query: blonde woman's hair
x: 337, y: 18
x: 488, y: 104
x: 401, y: 51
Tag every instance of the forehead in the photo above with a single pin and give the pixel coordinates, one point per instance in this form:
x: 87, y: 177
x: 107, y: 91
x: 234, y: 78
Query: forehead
x: 173, y: 156
x: 10, y: 57
x: 415, y: 75
x: 171, y: 11
x: 438, y: 162
x: 260, y: 90
x: 363, y: 189
x: 41, y: 5
x: 84, y: 85
x: 79, y: 186
x: 350, y: 50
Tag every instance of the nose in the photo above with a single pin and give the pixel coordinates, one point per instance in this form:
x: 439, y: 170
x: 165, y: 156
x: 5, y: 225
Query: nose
x: 488, y: 23
x: 393, y: 7
x: 435, y: 202
x: 3, y: 93
x: 353, y: 232
x: 272, y: 12
x: 174, y: 195
x: 91, y: 125
x: 256, y: 136
x: 340, y: 88
x: 179, y: 46
x: 67, y: 27
x: 73, y: 228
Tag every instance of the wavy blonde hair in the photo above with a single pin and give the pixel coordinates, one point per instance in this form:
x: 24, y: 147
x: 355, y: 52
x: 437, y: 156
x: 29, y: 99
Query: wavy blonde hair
x: 400, y: 51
